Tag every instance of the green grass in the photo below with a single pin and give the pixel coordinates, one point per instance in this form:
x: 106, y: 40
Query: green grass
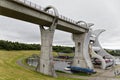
x: 81, y: 74
x: 9, y: 70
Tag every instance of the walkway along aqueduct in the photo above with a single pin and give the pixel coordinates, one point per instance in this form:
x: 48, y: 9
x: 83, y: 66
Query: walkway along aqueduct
x: 83, y: 36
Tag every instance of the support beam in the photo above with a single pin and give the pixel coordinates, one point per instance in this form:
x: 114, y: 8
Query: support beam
x: 79, y: 60
x: 46, y: 64
x: 82, y: 56
x: 46, y: 59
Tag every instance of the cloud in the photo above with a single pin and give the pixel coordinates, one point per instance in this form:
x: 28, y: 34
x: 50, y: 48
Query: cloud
x: 16, y: 30
x: 103, y: 13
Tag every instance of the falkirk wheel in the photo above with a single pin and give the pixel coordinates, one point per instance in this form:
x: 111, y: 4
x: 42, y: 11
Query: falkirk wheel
x: 93, y: 53
x: 88, y: 51
x: 97, y: 52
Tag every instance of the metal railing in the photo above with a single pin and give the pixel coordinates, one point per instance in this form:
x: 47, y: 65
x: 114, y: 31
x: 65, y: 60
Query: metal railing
x: 39, y: 8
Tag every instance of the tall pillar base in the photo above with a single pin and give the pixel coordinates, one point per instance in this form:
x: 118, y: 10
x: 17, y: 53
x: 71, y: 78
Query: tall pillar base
x: 46, y: 67
x: 46, y: 64
x: 82, y: 56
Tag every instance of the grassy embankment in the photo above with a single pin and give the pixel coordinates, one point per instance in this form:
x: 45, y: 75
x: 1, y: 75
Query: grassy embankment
x: 9, y: 70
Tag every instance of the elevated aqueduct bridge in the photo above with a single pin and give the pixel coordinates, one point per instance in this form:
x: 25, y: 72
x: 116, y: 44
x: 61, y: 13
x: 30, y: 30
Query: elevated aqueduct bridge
x: 30, y: 12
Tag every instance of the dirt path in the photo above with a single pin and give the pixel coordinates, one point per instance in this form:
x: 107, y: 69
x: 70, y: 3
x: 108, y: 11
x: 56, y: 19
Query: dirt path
x: 107, y: 74
x: 19, y: 62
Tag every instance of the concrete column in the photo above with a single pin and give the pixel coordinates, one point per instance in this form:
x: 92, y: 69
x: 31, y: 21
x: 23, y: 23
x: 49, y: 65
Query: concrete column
x: 46, y: 58
x: 79, y: 60
x: 82, y: 56
x: 46, y: 64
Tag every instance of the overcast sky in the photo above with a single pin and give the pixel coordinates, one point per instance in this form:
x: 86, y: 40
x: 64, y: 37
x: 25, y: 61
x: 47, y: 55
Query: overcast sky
x: 105, y: 14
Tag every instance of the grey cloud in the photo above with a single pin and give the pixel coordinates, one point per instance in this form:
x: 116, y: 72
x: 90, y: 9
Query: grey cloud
x: 103, y: 13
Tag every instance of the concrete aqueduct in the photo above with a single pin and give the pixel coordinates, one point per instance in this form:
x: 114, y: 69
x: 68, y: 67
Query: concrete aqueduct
x: 30, y: 12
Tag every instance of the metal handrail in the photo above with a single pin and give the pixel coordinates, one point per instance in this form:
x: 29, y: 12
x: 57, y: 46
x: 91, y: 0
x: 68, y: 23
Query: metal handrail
x: 39, y: 8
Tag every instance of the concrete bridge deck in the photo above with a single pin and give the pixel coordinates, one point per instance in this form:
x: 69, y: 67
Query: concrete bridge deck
x: 30, y: 12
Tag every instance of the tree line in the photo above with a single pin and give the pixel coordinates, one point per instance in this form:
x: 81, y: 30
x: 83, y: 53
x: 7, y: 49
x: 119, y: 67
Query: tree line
x: 8, y: 45
x: 114, y: 52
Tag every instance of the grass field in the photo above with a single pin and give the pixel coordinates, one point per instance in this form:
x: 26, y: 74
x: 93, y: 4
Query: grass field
x: 9, y: 70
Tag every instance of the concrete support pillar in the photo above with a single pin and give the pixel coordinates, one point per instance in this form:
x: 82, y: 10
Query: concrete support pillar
x: 82, y: 56
x: 46, y: 65
x: 79, y: 59
x: 46, y: 58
